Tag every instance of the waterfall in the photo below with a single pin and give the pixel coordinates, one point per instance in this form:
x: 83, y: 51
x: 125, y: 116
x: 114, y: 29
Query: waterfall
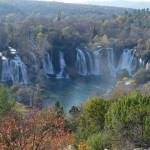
x: 35, y: 61
x: 87, y: 63
x: 110, y: 61
x: 14, y: 70
x: 12, y: 50
x: 90, y: 62
x: 62, y: 66
x: 128, y: 61
x: 80, y: 64
x: 96, y: 64
x: 47, y: 64
x: 147, y: 65
x: 5, y: 69
x: 142, y: 63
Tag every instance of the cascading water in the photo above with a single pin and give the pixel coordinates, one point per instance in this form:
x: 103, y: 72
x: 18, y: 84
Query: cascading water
x: 90, y: 62
x: 47, y: 65
x: 62, y: 66
x: 96, y: 64
x: 12, y: 50
x: 81, y: 65
x: 86, y: 64
x: 14, y: 70
x: 147, y: 65
x: 35, y: 61
x: 128, y: 61
x: 5, y: 75
x: 110, y: 61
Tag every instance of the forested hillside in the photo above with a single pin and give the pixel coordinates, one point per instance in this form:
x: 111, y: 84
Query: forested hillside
x: 51, y: 9
x: 69, y: 52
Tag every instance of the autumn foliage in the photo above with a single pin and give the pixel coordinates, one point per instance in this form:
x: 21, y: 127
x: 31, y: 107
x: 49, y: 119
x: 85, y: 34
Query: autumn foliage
x: 37, y: 130
x: 82, y: 146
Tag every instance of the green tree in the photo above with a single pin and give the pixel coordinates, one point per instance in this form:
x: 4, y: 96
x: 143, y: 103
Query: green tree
x: 93, y: 117
x: 105, y: 23
x: 94, y: 31
x: 105, y: 40
x: 99, y: 141
x: 67, y: 31
x: 129, y: 119
x: 59, y: 15
x: 121, y: 19
x: 96, y: 40
x: 148, y: 44
x: 58, y: 108
x: 6, y: 101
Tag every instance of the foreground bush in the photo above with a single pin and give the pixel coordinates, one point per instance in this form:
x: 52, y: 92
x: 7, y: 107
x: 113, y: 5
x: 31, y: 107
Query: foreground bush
x: 38, y: 130
x: 6, y: 101
x: 93, y: 117
x: 98, y: 141
x: 128, y: 120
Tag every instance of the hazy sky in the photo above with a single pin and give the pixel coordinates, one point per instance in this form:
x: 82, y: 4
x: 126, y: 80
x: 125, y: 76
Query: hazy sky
x: 75, y: 1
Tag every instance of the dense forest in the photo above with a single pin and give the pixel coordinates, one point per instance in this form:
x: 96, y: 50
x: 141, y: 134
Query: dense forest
x: 38, y: 30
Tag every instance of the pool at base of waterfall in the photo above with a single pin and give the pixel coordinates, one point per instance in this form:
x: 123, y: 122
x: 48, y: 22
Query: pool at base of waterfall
x: 75, y: 91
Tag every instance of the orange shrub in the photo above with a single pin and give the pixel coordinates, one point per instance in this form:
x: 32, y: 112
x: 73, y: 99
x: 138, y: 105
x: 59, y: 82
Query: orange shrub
x: 82, y: 146
x: 37, y: 130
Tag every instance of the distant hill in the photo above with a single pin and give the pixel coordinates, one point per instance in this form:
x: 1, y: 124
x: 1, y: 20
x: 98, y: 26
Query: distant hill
x: 6, y: 9
x: 121, y: 3
x: 53, y: 8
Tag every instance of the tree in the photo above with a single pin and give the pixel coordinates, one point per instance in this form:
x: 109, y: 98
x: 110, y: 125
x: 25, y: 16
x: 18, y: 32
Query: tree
x: 41, y: 44
x: 93, y: 117
x: 94, y: 31
x: 59, y: 15
x: 141, y: 76
x: 105, y: 40
x: 6, y: 101
x: 58, y: 108
x: 99, y: 141
x: 67, y: 31
x: 129, y: 120
x: 121, y: 19
x: 105, y: 23
x: 96, y: 38
x: 30, y: 95
x: 148, y: 44
x: 3, y: 38
x: 37, y: 130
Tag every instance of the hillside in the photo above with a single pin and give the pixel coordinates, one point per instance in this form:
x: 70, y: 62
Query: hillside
x: 6, y: 9
x: 52, y: 9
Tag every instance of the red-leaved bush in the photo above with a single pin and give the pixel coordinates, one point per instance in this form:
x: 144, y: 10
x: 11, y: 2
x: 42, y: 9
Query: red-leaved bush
x: 42, y: 130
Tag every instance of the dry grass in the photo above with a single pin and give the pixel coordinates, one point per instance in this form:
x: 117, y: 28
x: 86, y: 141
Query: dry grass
x: 22, y: 108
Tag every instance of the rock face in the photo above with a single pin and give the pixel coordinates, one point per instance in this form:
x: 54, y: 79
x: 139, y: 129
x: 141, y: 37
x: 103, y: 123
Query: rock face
x: 62, y: 64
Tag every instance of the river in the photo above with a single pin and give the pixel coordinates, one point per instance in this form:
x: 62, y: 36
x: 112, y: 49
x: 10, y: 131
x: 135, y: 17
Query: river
x: 75, y: 91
